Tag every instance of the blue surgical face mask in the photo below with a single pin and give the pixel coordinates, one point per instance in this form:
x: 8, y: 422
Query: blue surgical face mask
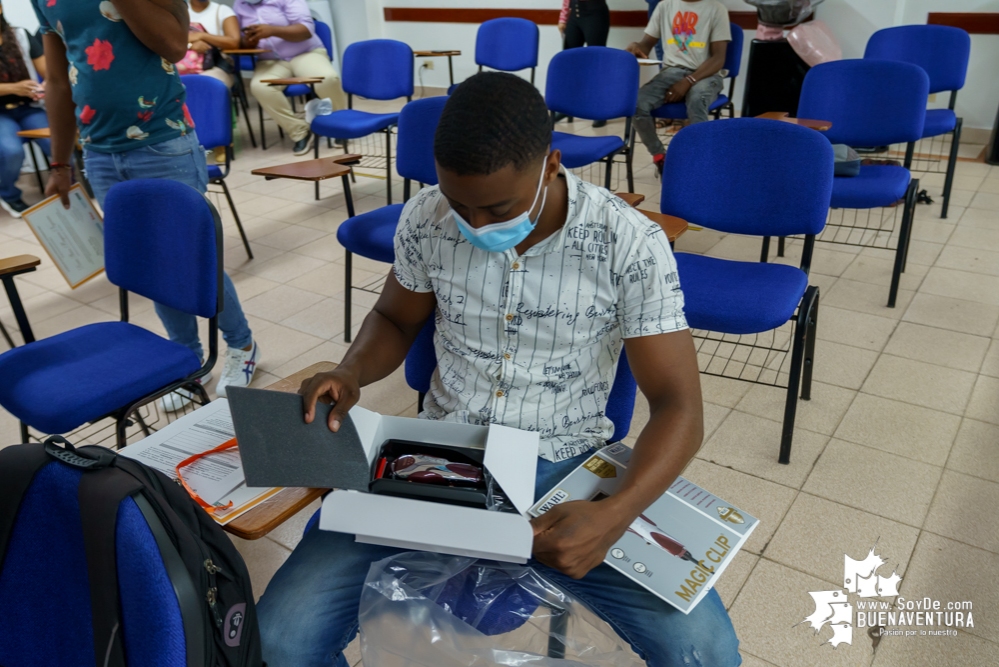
x: 501, y: 236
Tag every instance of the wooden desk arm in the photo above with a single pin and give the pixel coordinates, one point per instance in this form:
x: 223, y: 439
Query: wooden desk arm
x: 18, y: 264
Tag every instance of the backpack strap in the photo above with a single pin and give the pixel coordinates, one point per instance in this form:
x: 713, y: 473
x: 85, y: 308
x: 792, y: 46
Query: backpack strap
x: 101, y: 492
x: 18, y: 467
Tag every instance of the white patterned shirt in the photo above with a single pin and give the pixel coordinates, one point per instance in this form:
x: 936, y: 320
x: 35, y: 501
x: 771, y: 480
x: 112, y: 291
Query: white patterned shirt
x: 532, y: 341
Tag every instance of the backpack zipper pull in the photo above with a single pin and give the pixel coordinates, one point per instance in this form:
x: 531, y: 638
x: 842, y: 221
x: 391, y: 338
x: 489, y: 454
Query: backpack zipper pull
x: 212, y: 596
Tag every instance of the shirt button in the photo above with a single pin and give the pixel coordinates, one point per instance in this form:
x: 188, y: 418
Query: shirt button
x: 506, y: 356
x: 516, y: 265
x: 499, y: 394
x: 509, y: 318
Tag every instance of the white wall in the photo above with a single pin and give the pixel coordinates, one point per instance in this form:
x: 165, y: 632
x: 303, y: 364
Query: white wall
x: 21, y: 14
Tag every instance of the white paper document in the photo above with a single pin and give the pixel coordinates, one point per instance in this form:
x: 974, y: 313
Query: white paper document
x: 218, y: 479
x: 73, y: 238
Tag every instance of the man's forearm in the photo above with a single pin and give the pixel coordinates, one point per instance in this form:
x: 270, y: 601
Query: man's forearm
x: 62, y: 118
x: 162, y: 25
x: 665, y: 446
x: 223, y: 42
x: 298, y: 32
x: 709, y: 67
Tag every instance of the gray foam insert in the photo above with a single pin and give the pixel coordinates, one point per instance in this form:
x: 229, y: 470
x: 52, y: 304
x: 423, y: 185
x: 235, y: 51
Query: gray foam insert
x: 279, y: 449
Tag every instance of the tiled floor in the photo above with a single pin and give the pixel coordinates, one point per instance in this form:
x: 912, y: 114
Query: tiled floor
x: 899, y: 445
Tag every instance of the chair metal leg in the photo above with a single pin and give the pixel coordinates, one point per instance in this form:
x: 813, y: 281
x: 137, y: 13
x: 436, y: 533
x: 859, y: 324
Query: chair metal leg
x: 346, y: 296
x: 243, y: 102
x: 765, y: 250
x: 18, y: 308
x: 263, y: 137
x: 239, y: 224
x: 812, y: 321
x: 34, y: 161
x: 315, y: 152
x: 607, y: 172
x: 780, y: 246
x: 120, y: 425
x: 25, y: 435
x: 903, y: 240
x: 794, y: 379
x: 955, y: 145
x: 6, y: 336
x: 557, y: 629
x: 388, y: 165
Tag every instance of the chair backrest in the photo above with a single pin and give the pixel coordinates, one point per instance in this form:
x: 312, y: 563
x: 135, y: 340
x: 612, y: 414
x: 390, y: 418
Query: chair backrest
x: 210, y: 106
x: 869, y: 102
x: 749, y: 176
x: 421, y: 362
x: 595, y: 83
x: 941, y: 50
x: 163, y: 240
x: 379, y: 69
x: 326, y: 36
x: 733, y: 53
x: 507, y: 44
x: 45, y: 612
x: 415, y: 151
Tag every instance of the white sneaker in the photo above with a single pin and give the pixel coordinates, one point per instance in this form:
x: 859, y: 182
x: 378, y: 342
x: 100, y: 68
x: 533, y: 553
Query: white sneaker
x: 240, y: 365
x: 177, y: 400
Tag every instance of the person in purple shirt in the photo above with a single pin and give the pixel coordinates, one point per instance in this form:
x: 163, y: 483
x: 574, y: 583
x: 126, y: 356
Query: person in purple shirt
x: 286, y: 29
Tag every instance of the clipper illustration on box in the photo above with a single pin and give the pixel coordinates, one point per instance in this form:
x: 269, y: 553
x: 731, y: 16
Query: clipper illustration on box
x: 678, y: 547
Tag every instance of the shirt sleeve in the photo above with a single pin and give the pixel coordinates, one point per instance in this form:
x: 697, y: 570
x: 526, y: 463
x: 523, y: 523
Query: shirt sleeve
x: 43, y: 22
x: 35, y: 48
x: 650, y: 298
x: 721, y: 31
x: 296, y: 11
x: 225, y: 11
x: 563, y: 16
x: 415, y: 225
x: 654, y: 29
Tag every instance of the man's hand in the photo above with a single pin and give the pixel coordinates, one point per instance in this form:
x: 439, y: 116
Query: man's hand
x: 201, y: 47
x: 636, y: 49
x: 59, y: 184
x: 339, y: 386
x: 678, y: 91
x: 255, y: 33
x: 27, y: 88
x: 575, y: 537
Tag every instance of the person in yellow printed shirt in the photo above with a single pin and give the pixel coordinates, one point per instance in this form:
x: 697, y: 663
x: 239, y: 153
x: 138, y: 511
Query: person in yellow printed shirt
x: 695, y: 36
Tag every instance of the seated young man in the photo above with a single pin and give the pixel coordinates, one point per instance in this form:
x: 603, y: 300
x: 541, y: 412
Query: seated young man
x: 286, y: 29
x: 695, y: 35
x: 535, y: 280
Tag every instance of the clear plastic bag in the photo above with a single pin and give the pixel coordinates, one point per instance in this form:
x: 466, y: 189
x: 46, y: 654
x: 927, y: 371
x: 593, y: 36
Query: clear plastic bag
x: 814, y: 43
x: 317, y: 107
x: 422, y: 609
x: 784, y: 12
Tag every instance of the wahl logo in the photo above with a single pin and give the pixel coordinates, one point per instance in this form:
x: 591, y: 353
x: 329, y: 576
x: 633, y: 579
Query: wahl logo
x: 234, y: 624
x: 730, y: 514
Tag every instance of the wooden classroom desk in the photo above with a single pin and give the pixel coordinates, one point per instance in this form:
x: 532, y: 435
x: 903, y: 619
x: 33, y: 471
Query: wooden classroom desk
x: 288, y: 502
x: 672, y: 225
x: 436, y: 54
x: 783, y: 116
x: 40, y: 133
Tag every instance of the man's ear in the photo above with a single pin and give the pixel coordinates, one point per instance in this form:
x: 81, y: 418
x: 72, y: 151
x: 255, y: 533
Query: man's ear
x: 552, y: 166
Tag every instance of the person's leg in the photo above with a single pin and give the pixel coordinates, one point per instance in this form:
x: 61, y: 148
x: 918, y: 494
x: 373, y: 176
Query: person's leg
x: 317, y: 63
x: 219, y: 74
x: 652, y: 96
x: 272, y: 98
x: 596, y: 23
x: 11, y: 157
x: 103, y: 171
x: 573, y: 31
x: 659, y: 633
x: 235, y: 329
x: 308, y: 614
x: 700, y: 97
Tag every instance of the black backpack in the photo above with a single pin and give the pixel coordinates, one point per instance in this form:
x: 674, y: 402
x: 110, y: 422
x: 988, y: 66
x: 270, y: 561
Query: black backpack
x: 207, y: 574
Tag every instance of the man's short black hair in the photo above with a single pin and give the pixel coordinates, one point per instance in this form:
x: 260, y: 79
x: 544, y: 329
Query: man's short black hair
x: 492, y: 119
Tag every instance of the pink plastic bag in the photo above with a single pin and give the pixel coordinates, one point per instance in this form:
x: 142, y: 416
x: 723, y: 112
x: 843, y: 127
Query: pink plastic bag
x: 769, y: 33
x: 814, y: 43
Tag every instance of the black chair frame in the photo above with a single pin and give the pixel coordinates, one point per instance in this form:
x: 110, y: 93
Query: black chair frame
x: 228, y: 196
x: 627, y: 151
x: 190, y: 383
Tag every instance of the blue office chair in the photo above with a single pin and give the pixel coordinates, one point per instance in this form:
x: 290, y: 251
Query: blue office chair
x: 421, y: 362
x: 44, y: 580
x: 871, y: 103
x: 208, y: 101
x: 762, y: 178
x: 377, y: 69
x: 733, y: 63
x: 595, y: 83
x: 162, y: 240
x: 372, y: 234
x: 943, y: 52
x: 506, y: 45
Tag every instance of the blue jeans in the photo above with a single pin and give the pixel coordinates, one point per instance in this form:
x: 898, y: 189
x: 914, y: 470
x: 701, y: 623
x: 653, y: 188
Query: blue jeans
x: 12, y: 146
x: 308, y: 614
x: 659, y: 44
x: 183, y: 160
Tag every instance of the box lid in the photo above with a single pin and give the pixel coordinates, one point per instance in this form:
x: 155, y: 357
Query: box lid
x: 511, y: 457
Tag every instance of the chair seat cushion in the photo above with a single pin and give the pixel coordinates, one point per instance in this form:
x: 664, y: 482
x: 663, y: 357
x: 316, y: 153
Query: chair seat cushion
x: 678, y: 110
x: 733, y: 297
x: 59, y: 383
x: 352, y: 124
x: 939, y: 121
x: 214, y: 172
x: 297, y: 90
x: 580, y: 151
x: 371, y: 234
x: 875, y: 186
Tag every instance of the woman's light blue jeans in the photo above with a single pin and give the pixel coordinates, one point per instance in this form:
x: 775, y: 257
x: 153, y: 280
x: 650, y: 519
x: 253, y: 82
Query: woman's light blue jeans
x: 13, y: 121
x: 308, y: 614
x: 183, y: 160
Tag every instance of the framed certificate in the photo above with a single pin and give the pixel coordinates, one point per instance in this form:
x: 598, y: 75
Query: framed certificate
x: 73, y: 238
